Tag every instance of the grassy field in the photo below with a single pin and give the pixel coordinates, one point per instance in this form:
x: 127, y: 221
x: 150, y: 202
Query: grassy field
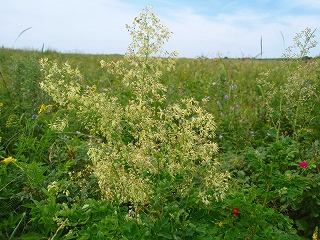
x: 94, y: 148
x: 51, y: 191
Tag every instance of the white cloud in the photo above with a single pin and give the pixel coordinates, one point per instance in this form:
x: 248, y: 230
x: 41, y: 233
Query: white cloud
x: 309, y: 4
x: 236, y: 34
x: 195, y: 35
x: 68, y: 25
x: 98, y: 26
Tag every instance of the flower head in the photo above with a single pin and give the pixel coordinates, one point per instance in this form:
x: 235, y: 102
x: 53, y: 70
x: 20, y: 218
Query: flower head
x: 315, y: 234
x: 235, y: 211
x: 8, y: 160
x: 304, y: 164
x: 42, y: 109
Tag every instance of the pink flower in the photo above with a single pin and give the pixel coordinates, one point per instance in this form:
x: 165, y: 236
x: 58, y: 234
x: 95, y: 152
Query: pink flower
x: 304, y: 164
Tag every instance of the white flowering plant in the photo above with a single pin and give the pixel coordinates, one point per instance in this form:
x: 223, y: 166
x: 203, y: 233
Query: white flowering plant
x: 148, y: 142
x: 291, y: 104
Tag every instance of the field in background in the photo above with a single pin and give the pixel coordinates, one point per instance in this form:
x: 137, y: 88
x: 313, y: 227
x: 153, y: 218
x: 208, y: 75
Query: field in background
x: 271, y: 151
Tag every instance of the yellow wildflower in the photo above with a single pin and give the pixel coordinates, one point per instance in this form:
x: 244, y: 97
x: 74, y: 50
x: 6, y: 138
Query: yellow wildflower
x: 220, y: 224
x: 9, y: 160
x: 1, y: 104
x: 315, y: 234
x: 42, y: 109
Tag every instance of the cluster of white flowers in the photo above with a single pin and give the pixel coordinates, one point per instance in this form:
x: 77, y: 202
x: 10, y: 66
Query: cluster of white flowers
x: 61, y: 82
x: 59, y: 124
x: 53, y: 187
x: 147, y: 139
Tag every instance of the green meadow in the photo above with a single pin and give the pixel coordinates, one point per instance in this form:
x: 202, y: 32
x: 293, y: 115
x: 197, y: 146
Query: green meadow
x: 143, y: 147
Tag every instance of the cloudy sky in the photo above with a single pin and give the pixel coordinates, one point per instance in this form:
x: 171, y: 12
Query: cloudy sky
x: 208, y: 28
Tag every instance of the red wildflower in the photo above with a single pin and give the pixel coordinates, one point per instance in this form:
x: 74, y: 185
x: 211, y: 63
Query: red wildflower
x: 235, y: 211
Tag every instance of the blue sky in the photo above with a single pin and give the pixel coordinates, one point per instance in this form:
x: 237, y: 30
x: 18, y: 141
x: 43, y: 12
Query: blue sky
x: 209, y: 28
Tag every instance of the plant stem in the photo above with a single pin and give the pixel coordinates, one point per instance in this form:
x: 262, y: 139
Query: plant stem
x: 279, y: 119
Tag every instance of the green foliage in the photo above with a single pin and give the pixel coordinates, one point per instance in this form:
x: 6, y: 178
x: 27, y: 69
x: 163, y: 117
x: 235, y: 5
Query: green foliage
x: 275, y: 178
x: 129, y: 150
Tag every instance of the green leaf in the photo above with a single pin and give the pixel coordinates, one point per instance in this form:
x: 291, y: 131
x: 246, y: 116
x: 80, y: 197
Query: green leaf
x: 201, y: 228
x: 165, y: 235
x: 32, y: 236
x: 189, y: 232
x: 302, y: 224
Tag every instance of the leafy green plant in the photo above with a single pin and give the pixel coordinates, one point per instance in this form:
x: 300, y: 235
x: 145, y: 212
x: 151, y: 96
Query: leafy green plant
x: 280, y: 177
